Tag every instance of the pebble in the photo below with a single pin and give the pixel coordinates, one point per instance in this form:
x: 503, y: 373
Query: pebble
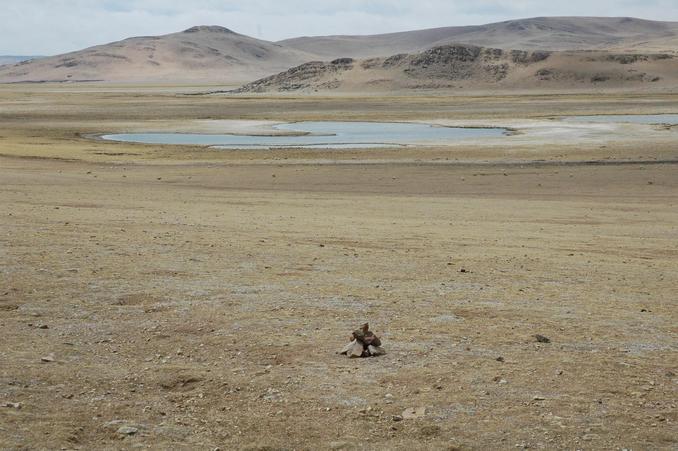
x: 12, y: 405
x: 48, y: 358
x: 542, y: 339
x: 127, y: 430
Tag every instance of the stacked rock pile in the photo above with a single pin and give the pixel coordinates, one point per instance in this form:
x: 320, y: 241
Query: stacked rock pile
x: 363, y: 344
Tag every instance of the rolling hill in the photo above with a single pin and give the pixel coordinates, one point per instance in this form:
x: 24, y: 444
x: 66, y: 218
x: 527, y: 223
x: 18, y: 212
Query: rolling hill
x: 541, y: 33
x: 200, y: 54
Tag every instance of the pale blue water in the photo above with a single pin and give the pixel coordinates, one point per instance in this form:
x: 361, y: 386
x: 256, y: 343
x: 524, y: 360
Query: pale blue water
x: 323, y: 135
x: 670, y: 119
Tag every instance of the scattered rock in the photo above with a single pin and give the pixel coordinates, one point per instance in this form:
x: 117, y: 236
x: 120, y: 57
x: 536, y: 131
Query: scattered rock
x: 413, y: 413
x: 538, y: 398
x: 127, y: 430
x: 375, y: 351
x: 542, y: 339
x: 12, y: 405
x: 49, y: 358
x: 354, y: 349
x: 500, y: 359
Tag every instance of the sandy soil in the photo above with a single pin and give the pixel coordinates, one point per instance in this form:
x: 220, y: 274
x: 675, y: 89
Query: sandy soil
x: 169, y: 297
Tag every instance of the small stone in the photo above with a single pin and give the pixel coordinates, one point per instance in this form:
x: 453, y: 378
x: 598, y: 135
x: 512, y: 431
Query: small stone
x: 500, y: 359
x: 12, y: 405
x: 414, y: 413
x: 542, y: 339
x: 355, y: 349
x: 340, y: 445
x: 376, y: 351
x: 127, y: 430
x: 397, y: 418
x: 49, y: 358
x: 538, y: 398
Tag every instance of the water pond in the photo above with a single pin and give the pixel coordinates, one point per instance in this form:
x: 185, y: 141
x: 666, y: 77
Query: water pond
x: 323, y: 135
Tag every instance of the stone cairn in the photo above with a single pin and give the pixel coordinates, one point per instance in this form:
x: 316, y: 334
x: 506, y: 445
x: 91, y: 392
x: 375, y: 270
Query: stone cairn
x: 363, y: 344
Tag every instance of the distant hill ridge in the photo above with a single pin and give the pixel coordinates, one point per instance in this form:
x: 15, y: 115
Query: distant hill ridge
x: 539, y: 33
x: 215, y: 54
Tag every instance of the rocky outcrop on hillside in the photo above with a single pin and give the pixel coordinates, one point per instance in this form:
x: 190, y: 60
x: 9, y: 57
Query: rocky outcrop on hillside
x: 447, y: 62
x: 302, y: 77
x: 458, y: 66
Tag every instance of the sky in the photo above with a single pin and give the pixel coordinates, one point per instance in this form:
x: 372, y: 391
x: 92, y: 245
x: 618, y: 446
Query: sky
x: 48, y: 27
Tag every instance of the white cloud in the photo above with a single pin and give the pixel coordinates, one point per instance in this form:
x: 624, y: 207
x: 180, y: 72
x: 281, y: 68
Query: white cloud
x: 55, y: 26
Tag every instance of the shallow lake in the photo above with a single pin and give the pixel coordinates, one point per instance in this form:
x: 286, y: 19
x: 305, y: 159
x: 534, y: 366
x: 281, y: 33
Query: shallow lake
x: 670, y: 119
x: 323, y: 135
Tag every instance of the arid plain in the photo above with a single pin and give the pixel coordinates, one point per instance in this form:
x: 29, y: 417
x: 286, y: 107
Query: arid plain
x: 188, y: 298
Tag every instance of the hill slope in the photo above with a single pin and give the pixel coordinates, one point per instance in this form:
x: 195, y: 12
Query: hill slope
x: 202, y: 54
x: 471, y: 67
x: 541, y: 33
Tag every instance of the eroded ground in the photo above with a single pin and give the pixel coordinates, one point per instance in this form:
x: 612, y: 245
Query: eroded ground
x: 198, y: 297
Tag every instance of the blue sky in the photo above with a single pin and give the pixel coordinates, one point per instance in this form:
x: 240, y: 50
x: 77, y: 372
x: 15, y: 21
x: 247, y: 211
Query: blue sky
x: 44, y: 27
